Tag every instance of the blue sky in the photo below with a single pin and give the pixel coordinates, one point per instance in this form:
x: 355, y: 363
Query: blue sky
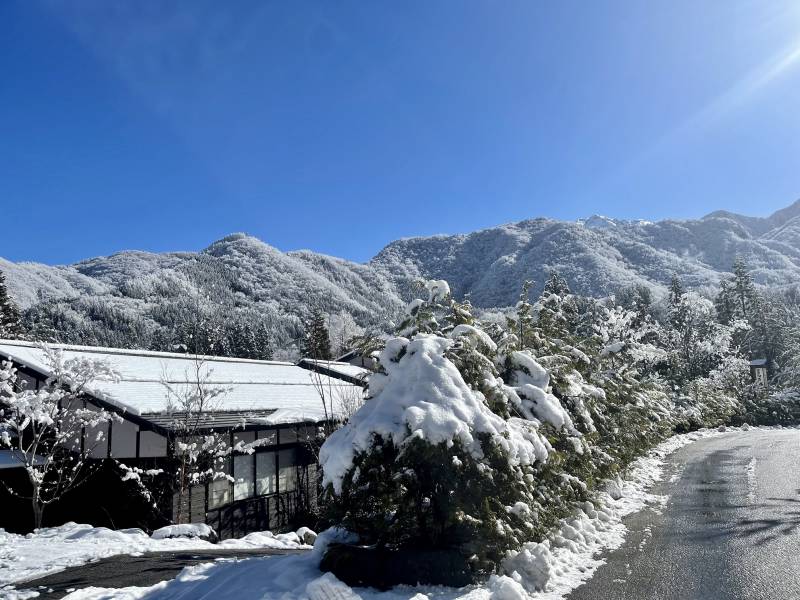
x: 339, y: 126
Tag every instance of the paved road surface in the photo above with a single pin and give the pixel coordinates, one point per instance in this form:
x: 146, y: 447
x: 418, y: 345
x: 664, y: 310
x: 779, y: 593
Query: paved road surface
x: 729, y: 530
x: 124, y: 571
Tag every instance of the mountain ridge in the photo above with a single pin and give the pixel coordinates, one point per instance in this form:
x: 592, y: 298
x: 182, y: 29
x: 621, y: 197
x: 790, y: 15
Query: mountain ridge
x: 240, y: 273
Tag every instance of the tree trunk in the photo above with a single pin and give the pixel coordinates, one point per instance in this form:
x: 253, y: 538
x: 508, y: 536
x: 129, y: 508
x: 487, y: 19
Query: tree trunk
x: 38, y: 511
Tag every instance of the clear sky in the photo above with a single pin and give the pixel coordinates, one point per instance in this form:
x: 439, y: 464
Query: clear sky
x: 340, y: 126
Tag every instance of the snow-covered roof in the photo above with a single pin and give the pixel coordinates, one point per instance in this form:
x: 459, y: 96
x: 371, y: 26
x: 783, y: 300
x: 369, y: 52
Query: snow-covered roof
x: 337, y: 368
x: 255, y: 385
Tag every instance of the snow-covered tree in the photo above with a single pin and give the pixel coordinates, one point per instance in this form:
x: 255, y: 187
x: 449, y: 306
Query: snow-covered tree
x: 637, y: 299
x: 443, y: 446
x: 49, y: 431
x: 316, y: 340
x: 199, y: 451
x: 10, y: 317
x: 743, y: 290
x: 343, y: 330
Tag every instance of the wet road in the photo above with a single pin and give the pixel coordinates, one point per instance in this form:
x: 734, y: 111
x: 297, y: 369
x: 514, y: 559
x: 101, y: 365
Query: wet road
x: 731, y: 527
x: 123, y: 571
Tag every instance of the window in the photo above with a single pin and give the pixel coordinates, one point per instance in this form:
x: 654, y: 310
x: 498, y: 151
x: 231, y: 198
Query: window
x: 152, y: 444
x: 243, y: 475
x: 244, y: 437
x: 271, y: 435
x: 288, y: 435
x: 265, y: 473
x: 307, y: 433
x: 287, y: 470
x: 219, y: 493
x: 123, y: 439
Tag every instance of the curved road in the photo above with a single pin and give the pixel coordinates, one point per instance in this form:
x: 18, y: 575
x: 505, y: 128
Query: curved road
x: 730, y: 529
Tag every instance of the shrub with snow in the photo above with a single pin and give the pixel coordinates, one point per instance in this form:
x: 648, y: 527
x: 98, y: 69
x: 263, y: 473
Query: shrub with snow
x: 187, y: 530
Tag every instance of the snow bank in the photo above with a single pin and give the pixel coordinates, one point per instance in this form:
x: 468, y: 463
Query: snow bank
x: 53, y: 549
x: 543, y: 571
x: 189, y: 530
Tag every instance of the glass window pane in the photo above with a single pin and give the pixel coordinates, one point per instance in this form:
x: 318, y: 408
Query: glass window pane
x: 219, y: 493
x: 288, y: 435
x: 244, y: 437
x: 243, y: 474
x: 308, y: 433
x: 265, y: 473
x: 287, y: 470
x: 270, y: 435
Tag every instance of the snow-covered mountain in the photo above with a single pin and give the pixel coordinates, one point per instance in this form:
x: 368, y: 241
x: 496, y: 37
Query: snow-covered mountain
x: 597, y: 256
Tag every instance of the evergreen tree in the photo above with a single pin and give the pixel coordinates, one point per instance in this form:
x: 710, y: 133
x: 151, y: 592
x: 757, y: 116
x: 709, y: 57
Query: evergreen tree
x: 444, y: 492
x: 523, y: 324
x: 724, y: 303
x: 556, y: 284
x: 637, y: 299
x: 10, y: 318
x: 743, y: 289
x: 556, y: 309
x: 677, y: 308
x: 675, y: 290
x: 317, y: 342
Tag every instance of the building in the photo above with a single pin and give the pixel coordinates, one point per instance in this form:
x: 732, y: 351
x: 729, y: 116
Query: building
x: 758, y: 371
x: 345, y: 371
x: 357, y: 358
x: 269, y: 411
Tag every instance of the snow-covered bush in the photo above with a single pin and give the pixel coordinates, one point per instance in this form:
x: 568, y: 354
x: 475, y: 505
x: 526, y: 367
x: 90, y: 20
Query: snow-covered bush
x: 479, y: 437
x: 436, y: 457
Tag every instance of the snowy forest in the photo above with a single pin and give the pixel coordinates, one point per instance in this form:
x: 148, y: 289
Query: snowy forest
x: 242, y: 297
x: 482, y: 432
x: 484, y: 428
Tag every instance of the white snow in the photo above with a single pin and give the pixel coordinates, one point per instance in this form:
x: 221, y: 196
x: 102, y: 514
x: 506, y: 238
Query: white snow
x: 471, y: 332
x: 423, y: 395
x: 186, y: 530
x: 530, y: 393
x: 248, y: 384
x: 53, y: 549
x: 540, y: 571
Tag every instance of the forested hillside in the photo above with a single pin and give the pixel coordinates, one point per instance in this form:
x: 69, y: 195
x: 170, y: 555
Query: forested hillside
x: 239, y: 284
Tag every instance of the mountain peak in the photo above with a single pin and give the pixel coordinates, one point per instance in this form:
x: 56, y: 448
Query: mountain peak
x: 598, y: 222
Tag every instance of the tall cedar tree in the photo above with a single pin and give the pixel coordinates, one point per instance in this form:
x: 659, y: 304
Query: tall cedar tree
x: 317, y: 341
x: 10, y: 320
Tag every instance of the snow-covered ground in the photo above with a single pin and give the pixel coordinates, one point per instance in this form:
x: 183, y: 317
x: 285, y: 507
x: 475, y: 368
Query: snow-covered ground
x: 543, y: 571
x: 53, y: 549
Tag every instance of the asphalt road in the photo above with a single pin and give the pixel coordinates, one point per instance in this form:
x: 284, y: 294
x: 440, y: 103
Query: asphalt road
x: 730, y: 529
x: 123, y: 571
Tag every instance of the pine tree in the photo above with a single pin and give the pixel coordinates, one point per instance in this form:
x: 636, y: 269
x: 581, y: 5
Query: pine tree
x: 10, y: 318
x: 675, y: 290
x: 677, y: 308
x: 317, y: 342
x: 522, y: 325
x: 724, y: 303
x: 556, y: 309
x: 556, y: 284
x: 444, y: 494
x: 743, y: 289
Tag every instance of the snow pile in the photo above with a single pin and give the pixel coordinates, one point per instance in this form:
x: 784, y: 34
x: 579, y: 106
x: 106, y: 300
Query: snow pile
x: 188, y: 530
x: 53, y: 549
x: 546, y: 570
x: 267, y: 539
x: 421, y: 395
